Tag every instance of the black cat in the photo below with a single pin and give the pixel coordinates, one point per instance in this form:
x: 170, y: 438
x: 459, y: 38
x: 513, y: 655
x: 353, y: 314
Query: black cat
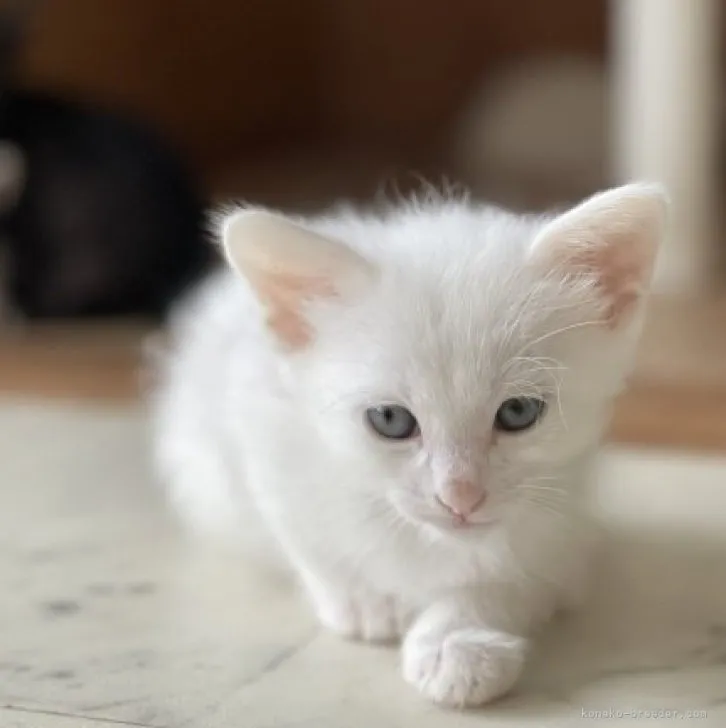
x: 97, y: 215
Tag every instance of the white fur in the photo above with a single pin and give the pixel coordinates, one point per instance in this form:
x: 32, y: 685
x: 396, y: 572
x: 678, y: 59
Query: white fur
x: 269, y: 446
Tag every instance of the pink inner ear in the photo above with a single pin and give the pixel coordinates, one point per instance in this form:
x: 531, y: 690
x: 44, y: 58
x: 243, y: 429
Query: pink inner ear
x: 619, y: 268
x: 285, y: 295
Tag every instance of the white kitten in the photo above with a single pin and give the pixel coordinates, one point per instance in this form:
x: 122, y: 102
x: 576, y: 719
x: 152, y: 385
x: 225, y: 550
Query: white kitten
x: 408, y: 406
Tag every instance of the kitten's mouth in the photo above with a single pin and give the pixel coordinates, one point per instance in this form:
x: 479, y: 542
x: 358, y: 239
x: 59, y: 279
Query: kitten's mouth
x: 466, y: 531
x: 458, y: 522
x: 455, y: 524
x: 465, y: 524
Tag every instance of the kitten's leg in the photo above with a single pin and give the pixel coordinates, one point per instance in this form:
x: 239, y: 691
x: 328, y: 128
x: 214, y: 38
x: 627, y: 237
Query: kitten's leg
x: 469, y: 648
x: 354, y: 611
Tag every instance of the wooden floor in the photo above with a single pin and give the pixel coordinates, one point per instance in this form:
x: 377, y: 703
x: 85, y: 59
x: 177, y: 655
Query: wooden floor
x: 677, y: 396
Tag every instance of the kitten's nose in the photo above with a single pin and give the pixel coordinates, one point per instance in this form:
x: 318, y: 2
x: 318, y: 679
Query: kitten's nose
x: 461, y: 497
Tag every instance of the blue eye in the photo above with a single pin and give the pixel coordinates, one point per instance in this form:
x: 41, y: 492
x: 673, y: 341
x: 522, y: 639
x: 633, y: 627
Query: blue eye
x: 518, y: 413
x: 392, y: 422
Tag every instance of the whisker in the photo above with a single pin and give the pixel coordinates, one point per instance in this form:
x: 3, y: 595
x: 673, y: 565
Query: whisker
x: 557, y: 332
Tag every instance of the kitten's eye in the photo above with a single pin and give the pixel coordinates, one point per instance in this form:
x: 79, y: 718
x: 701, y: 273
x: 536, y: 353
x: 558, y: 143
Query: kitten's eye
x: 518, y: 413
x: 392, y: 422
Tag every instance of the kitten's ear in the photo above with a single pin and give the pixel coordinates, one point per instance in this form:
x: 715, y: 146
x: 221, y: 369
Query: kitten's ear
x: 611, y: 240
x: 288, y: 266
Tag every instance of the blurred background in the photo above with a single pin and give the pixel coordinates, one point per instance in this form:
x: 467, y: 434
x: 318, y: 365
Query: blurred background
x: 298, y: 103
x: 294, y: 103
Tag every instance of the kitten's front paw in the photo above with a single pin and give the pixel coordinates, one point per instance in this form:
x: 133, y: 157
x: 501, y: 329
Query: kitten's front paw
x: 464, y: 667
x: 370, y: 618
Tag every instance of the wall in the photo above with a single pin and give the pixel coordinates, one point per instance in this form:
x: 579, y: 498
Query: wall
x: 219, y: 75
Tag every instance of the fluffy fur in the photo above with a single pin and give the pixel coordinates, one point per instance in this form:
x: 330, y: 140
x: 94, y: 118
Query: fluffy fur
x: 449, y: 308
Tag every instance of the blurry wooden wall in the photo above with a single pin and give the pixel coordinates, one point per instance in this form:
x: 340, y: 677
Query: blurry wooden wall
x: 235, y: 76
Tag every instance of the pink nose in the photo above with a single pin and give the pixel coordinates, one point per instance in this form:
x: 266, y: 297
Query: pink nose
x: 461, y: 497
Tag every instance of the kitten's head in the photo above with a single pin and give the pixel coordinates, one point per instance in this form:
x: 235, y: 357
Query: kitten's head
x: 460, y: 359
